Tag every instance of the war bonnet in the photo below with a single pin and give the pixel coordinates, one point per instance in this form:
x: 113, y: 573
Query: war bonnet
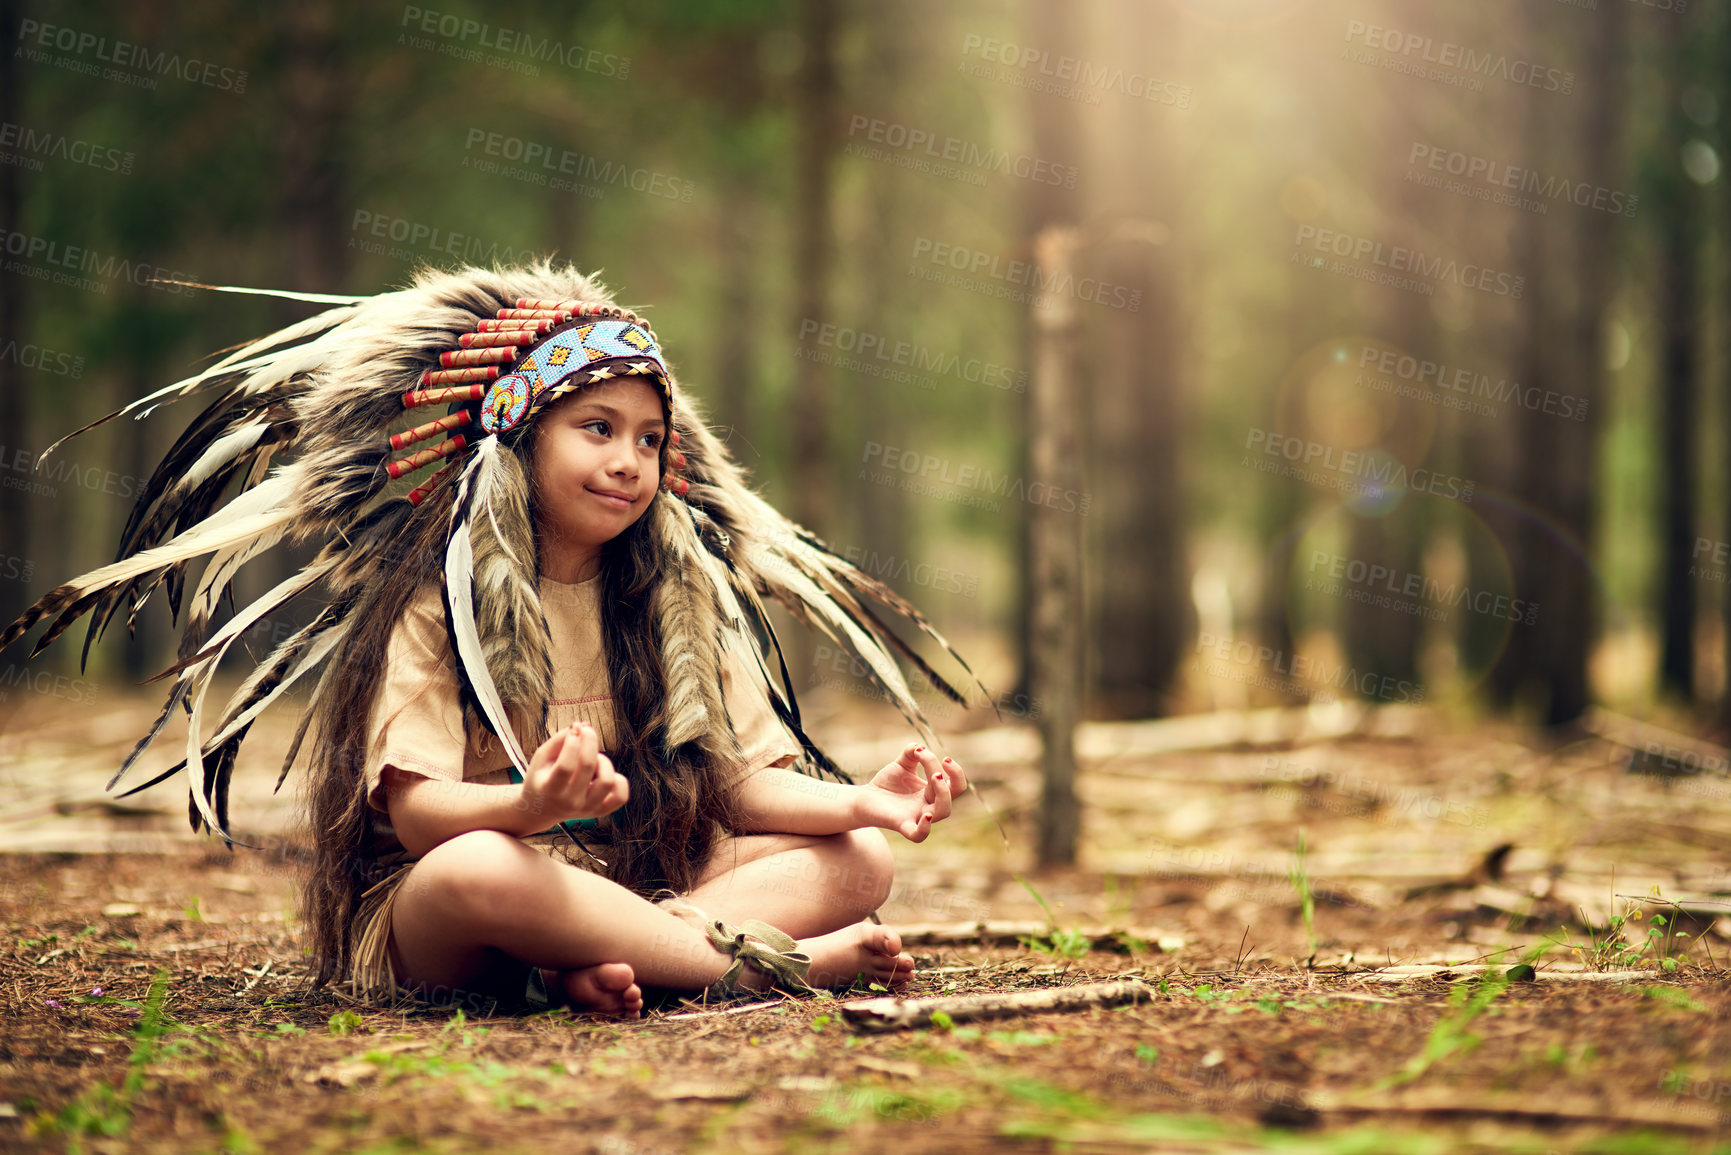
x: 296, y: 446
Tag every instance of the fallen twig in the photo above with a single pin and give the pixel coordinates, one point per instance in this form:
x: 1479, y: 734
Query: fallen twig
x: 1403, y: 974
x: 1551, y: 1107
x: 1013, y: 934
x: 897, y: 1014
x: 740, y: 1010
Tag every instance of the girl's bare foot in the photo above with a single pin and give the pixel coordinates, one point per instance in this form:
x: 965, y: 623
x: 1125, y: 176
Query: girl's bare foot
x: 602, y: 989
x: 863, y: 949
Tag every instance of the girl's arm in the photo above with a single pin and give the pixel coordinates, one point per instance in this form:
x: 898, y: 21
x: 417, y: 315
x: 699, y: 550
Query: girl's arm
x: 568, y: 778
x: 898, y: 798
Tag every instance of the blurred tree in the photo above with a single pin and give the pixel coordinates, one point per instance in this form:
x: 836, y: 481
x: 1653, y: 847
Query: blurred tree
x: 1391, y: 531
x: 1567, y: 261
x: 816, y: 111
x: 1141, y: 615
x: 1057, y: 137
x: 19, y: 535
x: 881, y: 406
x: 1674, y: 205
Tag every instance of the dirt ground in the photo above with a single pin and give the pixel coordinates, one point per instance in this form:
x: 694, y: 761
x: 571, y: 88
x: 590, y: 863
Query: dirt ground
x: 152, y: 987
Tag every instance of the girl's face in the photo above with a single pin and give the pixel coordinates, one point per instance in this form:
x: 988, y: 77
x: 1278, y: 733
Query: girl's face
x: 597, y: 464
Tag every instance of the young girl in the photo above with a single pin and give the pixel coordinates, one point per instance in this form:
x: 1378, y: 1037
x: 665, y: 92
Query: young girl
x: 544, y: 701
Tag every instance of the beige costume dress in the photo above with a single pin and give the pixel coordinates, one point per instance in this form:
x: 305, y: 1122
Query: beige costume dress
x: 417, y: 725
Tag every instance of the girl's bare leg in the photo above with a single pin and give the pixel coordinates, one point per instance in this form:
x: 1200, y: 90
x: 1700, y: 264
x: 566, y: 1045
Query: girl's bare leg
x: 814, y: 887
x: 484, y: 896
x: 802, y: 883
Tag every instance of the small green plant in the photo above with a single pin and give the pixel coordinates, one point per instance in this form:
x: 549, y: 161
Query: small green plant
x: 1467, y: 1002
x: 819, y: 1023
x: 193, y: 912
x: 345, y: 1023
x: 1671, y: 996
x: 1300, y: 876
x: 1147, y: 1055
x: 105, y: 1110
x: 1061, y: 943
x: 1612, y: 948
x: 942, y: 1021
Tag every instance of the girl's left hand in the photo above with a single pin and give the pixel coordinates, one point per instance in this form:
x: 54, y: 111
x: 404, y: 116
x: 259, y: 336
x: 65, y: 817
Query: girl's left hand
x: 908, y: 803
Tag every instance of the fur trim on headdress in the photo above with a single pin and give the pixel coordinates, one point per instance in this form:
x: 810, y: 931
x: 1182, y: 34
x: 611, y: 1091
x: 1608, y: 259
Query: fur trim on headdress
x: 300, y: 428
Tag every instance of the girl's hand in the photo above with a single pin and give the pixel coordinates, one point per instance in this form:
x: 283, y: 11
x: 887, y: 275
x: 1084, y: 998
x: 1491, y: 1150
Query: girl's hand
x: 901, y: 800
x: 569, y: 777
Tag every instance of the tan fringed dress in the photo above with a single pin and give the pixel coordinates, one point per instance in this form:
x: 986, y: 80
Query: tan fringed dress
x: 417, y: 726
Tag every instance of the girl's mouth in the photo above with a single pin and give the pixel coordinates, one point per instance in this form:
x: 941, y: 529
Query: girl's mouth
x: 613, y: 499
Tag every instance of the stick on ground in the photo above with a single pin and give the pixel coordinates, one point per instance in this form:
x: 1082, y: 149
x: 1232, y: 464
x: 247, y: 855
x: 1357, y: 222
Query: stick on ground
x: 893, y: 1014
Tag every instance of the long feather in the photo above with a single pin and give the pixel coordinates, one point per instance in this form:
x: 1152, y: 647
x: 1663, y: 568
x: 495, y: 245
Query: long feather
x: 308, y: 659
x: 508, y: 619
x: 460, y: 607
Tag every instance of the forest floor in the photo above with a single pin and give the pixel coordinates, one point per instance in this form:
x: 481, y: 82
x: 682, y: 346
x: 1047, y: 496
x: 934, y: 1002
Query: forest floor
x: 152, y: 994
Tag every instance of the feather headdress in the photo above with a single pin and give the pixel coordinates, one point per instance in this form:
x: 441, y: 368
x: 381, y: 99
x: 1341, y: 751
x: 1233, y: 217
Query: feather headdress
x: 298, y: 435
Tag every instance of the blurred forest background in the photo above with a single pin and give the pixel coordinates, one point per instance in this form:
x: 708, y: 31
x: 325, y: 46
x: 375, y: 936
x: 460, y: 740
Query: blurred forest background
x: 1390, y: 363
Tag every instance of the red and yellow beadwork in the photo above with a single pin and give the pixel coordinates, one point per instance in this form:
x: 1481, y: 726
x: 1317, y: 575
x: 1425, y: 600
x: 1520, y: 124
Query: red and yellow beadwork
x: 606, y: 342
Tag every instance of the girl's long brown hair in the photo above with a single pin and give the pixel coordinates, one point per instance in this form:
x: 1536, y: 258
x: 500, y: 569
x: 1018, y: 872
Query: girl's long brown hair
x: 662, y: 837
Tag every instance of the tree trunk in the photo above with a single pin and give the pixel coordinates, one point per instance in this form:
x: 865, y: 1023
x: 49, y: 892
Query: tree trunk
x: 1141, y: 615
x: 811, y: 482
x: 1680, y: 238
x: 1057, y: 137
x: 18, y: 534
x: 1057, y: 546
x: 1559, y: 462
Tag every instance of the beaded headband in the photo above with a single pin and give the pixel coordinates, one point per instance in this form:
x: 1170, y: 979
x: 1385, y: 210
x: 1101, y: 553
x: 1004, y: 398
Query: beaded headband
x: 571, y: 345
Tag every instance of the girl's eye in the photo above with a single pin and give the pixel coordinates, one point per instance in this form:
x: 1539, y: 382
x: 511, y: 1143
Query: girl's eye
x: 597, y: 425
x: 650, y: 441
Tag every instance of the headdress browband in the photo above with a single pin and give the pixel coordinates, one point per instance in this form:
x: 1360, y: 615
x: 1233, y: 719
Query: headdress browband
x: 573, y: 344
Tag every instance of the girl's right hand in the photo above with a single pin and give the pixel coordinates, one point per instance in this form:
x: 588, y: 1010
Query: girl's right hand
x: 570, y: 778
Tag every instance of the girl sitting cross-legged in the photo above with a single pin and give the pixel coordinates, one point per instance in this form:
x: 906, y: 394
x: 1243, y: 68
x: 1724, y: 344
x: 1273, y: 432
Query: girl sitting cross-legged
x: 547, y: 759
